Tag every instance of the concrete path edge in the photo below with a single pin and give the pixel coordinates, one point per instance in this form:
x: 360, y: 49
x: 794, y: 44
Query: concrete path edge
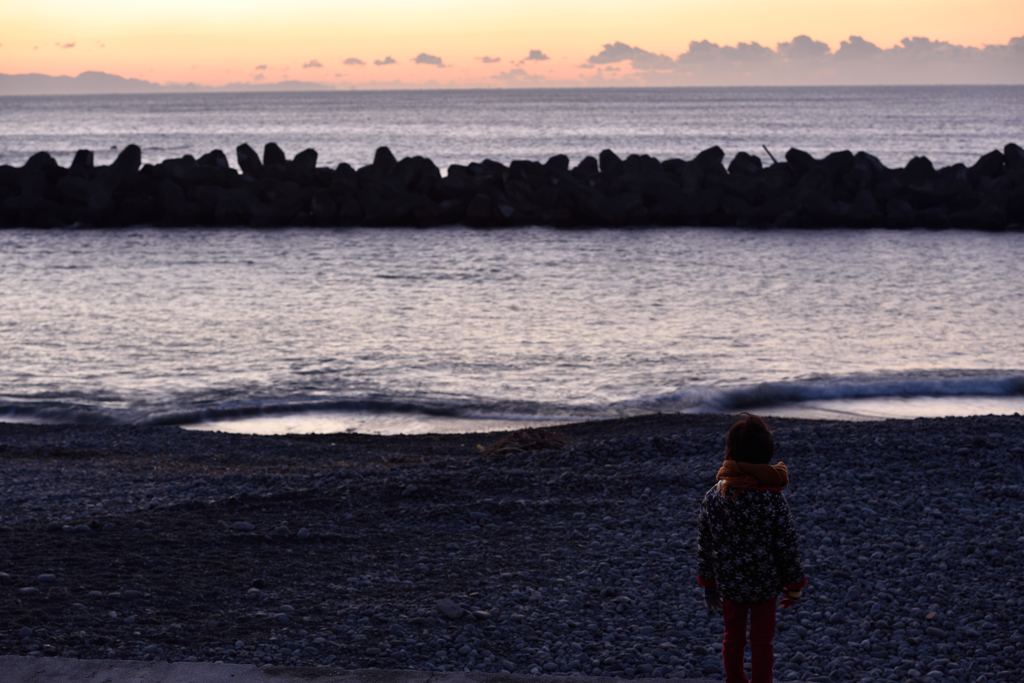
x: 14, y: 669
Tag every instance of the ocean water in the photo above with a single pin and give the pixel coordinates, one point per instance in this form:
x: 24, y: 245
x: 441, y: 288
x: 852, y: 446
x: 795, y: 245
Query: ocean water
x: 455, y: 329
x: 949, y: 124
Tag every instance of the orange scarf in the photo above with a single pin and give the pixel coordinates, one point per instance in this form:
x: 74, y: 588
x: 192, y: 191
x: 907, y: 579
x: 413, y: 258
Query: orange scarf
x: 745, y: 475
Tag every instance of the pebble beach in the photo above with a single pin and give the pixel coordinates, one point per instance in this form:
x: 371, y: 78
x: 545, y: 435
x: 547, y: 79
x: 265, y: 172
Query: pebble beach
x: 571, y: 554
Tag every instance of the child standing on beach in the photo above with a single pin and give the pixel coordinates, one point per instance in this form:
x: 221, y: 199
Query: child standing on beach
x: 747, y: 548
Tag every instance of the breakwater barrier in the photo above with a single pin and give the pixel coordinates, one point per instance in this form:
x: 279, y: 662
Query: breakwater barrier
x: 841, y: 190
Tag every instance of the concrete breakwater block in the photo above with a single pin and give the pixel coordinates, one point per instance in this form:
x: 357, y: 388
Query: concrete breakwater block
x: 46, y: 670
x: 841, y: 190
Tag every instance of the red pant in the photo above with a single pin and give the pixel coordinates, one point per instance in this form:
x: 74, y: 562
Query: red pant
x: 762, y: 632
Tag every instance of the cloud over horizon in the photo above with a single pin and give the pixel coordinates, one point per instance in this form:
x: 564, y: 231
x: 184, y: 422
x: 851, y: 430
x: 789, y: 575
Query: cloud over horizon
x: 804, y: 47
x: 806, y: 61
x: 642, y: 60
x: 431, y: 60
x: 534, y: 56
x: 802, y: 60
x: 518, y: 76
x: 857, y: 48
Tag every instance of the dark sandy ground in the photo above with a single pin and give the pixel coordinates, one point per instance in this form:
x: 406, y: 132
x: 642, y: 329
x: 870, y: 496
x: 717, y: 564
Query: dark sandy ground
x: 428, y: 552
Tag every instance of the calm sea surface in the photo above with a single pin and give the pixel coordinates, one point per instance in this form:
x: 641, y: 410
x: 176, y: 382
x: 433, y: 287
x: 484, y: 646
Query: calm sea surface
x: 454, y: 328
x: 459, y: 329
x: 949, y: 124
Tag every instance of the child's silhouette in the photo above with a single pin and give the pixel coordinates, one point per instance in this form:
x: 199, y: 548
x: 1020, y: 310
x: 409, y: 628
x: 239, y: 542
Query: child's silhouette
x: 747, y: 548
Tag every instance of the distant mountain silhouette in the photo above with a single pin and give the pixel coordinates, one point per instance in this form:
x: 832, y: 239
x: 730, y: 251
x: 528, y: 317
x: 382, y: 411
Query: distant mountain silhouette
x: 85, y: 83
x: 100, y: 83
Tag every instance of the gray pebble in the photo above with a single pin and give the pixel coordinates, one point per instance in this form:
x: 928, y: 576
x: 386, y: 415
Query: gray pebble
x: 449, y: 609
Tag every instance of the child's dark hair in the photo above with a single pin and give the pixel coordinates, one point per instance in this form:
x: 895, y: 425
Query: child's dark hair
x: 750, y: 440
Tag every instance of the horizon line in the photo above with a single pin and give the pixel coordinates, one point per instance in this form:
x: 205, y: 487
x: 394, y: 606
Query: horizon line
x: 133, y: 86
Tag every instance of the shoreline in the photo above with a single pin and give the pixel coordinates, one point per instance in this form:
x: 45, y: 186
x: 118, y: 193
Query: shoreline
x: 422, y: 552
x: 276, y: 422
x: 843, y: 410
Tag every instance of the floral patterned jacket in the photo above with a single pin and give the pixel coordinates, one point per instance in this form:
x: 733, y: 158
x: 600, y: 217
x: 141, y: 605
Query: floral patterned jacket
x: 747, y: 545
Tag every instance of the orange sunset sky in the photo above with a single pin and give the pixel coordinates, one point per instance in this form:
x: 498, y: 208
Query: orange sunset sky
x: 214, y: 42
